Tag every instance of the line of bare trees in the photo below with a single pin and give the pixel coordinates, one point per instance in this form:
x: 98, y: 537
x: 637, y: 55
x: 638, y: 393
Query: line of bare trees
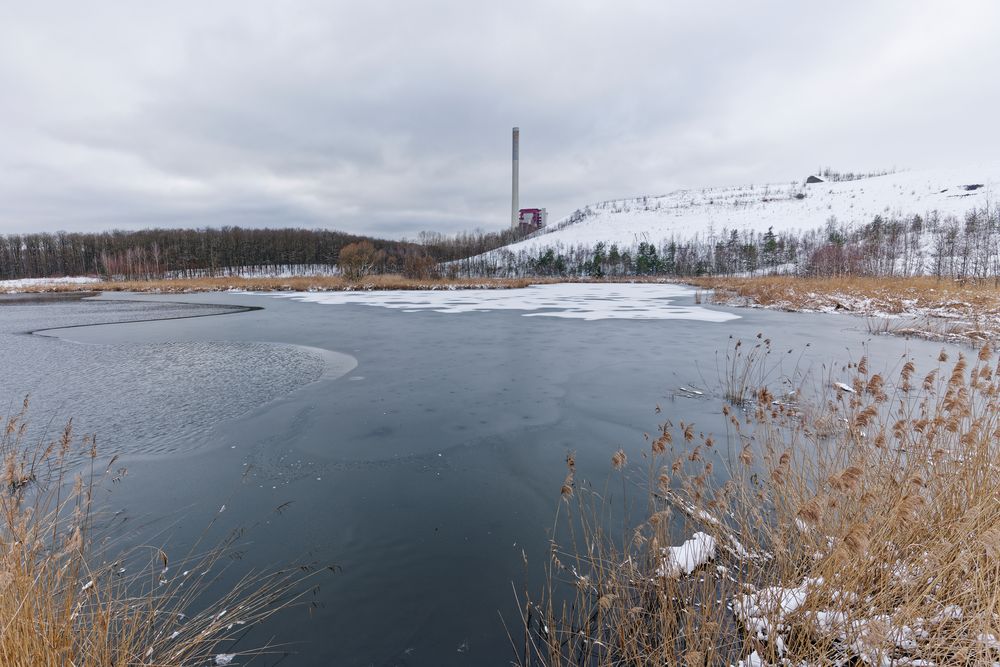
x: 156, y: 253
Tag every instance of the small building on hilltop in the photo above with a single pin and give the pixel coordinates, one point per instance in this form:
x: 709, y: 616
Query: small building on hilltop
x: 814, y: 179
x: 531, y: 219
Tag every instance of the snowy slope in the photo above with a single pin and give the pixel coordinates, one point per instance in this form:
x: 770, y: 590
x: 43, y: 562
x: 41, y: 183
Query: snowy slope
x: 685, y: 213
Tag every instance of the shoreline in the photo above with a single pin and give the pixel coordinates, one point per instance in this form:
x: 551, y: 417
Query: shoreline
x: 934, y: 309
x: 295, y: 284
x: 21, y: 298
x: 384, y: 282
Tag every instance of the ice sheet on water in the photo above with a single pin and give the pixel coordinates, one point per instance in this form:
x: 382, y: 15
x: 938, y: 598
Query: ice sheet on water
x: 567, y: 300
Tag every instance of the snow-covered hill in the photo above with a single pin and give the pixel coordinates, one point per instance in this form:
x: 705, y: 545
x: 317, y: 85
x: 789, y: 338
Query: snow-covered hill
x: 792, y: 206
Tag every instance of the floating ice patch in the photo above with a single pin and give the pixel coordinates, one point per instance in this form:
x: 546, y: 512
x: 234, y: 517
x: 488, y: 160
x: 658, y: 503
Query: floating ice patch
x: 568, y: 300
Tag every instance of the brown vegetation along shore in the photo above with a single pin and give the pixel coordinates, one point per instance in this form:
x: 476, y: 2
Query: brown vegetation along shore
x: 69, y: 596
x: 943, y: 309
x: 856, y: 525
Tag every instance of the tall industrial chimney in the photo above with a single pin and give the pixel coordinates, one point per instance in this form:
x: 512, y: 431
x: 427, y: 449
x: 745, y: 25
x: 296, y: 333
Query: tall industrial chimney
x: 513, y: 197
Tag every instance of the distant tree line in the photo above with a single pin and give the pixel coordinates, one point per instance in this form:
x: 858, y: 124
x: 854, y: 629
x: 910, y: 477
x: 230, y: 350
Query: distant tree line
x: 945, y: 246
x: 158, y: 253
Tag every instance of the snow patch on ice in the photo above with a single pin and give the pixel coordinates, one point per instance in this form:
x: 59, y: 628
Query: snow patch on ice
x: 566, y: 300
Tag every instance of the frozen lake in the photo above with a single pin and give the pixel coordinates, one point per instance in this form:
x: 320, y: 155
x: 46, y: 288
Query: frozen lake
x: 419, y: 437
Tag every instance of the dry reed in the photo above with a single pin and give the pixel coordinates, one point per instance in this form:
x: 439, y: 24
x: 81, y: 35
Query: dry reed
x: 67, y: 599
x: 859, y: 526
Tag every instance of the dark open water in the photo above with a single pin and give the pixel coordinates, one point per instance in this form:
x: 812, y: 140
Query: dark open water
x: 421, y: 451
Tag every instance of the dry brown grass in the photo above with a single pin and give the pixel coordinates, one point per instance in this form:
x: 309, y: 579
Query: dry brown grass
x: 891, y: 295
x: 870, y: 538
x: 936, y: 308
x: 66, y: 602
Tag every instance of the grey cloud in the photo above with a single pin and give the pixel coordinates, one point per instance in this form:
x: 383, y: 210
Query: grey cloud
x: 394, y: 117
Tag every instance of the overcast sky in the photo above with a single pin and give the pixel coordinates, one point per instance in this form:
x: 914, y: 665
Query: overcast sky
x: 394, y: 117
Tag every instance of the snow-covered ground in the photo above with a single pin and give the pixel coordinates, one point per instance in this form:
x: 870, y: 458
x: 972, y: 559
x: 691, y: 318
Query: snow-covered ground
x: 270, y: 271
x: 30, y: 283
x: 569, y: 300
x: 790, y: 206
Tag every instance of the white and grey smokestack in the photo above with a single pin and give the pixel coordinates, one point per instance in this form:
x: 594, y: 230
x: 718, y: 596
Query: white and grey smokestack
x: 513, y: 197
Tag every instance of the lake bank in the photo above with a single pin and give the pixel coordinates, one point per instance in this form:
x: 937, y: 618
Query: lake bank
x: 266, y: 284
x: 936, y: 309
x: 427, y: 471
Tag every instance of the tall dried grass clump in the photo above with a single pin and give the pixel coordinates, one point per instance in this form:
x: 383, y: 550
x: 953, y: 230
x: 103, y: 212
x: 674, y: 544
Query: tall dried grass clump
x: 746, y: 368
x: 66, y: 598
x: 874, y: 541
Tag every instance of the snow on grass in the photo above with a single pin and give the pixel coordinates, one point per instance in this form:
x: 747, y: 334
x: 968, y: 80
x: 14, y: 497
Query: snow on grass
x: 25, y: 283
x: 688, y: 557
x: 566, y: 300
x: 764, y: 612
x: 276, y: 271
x: 752, y: 660
x: 770, y: 613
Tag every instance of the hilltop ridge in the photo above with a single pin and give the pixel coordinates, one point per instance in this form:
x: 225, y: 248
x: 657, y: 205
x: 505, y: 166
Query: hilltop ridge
x: 782, y: 207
